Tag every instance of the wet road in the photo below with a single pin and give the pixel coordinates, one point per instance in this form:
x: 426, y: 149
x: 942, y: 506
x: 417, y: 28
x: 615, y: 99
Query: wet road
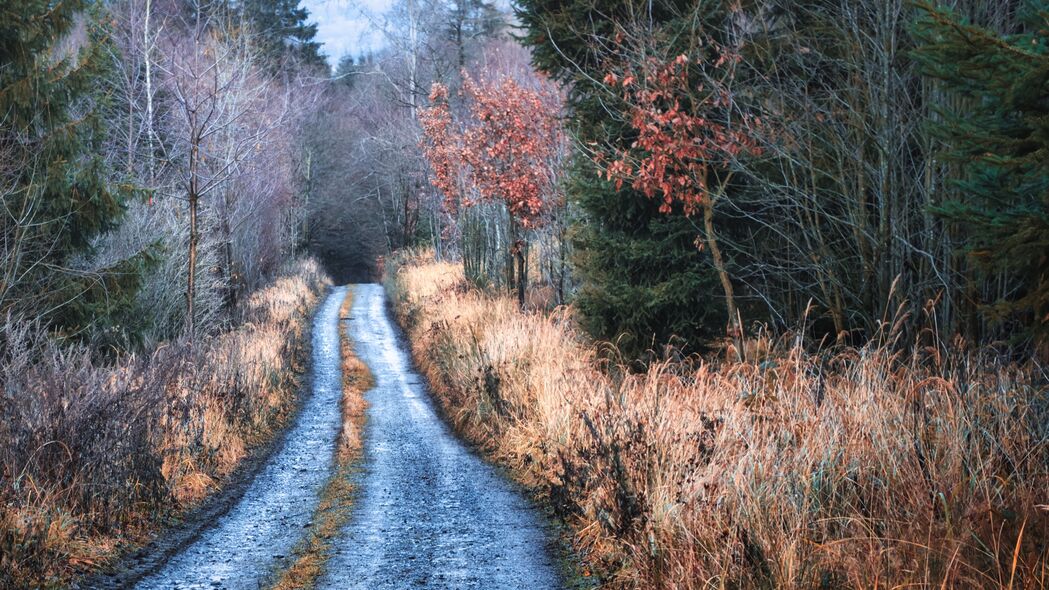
x: 429, y: 514
x: 260, y: 530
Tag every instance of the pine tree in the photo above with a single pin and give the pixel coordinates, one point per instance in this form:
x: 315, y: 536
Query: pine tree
x: 283, y: 31
x: 644, y: 282
x: 471, y: 19
x: 55, y: 195
x: 1000, y: 143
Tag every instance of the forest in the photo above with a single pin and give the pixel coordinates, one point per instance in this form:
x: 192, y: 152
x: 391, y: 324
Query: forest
x: 745, y: 293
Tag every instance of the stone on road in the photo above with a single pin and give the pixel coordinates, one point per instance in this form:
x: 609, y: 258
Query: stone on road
x: 428, y: 513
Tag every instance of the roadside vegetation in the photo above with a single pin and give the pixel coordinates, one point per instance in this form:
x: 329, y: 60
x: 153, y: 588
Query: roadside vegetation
x: 100, y: 454
x: 155, y: 292
x: 802, y: 467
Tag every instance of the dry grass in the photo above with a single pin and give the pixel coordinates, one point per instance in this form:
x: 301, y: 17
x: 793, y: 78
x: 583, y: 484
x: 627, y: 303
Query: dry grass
x: 852, y: 468
x: 336, y: 499
x: 93, y: 457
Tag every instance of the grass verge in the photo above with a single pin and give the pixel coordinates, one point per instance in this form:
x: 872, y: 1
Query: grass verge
x: 877, y: 467
x: 94, y: 458
x: 336, y: 497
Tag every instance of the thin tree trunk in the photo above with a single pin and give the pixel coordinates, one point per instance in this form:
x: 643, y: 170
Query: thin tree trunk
x: 719, y: 264
x: 522, y: 272
x: 149, y: 100
x: 193, y: 198
x: 563, y: 255
x: 413, y: 58
x: 232, y: 289
x: 192, y: 271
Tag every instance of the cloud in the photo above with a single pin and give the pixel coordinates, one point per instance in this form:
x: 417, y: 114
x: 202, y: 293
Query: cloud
x: 343, y: 28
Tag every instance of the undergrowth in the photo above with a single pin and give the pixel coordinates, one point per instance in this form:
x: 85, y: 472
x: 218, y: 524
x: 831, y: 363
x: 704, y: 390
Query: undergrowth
x: 94, y: 457
x: 839, y: 468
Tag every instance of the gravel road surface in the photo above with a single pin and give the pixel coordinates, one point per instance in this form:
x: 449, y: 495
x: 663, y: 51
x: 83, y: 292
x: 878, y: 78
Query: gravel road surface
x: 429, y: 513
x: 258, y: 533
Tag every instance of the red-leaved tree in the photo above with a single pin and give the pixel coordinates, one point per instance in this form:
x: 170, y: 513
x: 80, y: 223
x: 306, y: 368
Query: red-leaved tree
x: 442, y: 147
x: 689, y: 131
x: 505, y: 150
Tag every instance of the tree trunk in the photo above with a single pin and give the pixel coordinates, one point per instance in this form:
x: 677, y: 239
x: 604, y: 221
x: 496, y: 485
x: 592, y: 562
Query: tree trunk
x: 522, y: 271
x: 191, y: 273
x: 149, y: 101
x: 232, y: 287
x: 563, y: 255
x: 733, y: 327
x: 510, y: 242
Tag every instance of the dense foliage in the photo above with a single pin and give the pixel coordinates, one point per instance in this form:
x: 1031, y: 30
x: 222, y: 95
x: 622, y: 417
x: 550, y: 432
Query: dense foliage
x: 643, y: 281
x: 56, y: 196
x: 863, y: 161
x: 997, y: 135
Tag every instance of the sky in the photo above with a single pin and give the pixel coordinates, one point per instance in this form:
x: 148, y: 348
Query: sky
x: 343, y: 27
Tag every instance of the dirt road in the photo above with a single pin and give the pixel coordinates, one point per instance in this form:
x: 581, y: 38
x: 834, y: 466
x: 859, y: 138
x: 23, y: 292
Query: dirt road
x: 428, y: 512
x: 258, y: 533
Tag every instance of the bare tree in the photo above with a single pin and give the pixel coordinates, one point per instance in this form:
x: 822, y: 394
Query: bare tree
x: 215, y: 85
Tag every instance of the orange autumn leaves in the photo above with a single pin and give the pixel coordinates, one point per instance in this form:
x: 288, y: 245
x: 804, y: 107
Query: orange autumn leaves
x: 504, y: 147
x: 684, y: 128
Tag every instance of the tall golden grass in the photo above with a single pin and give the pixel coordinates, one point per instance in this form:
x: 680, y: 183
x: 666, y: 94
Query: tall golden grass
x: 847, y: 468
x: 93, y: 456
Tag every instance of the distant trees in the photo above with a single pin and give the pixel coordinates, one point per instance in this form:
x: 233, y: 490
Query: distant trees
x: 282, y: 32
x: 370, y: 169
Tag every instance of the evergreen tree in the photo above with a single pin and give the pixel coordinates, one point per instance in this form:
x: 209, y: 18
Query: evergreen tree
x: 283, y: 31
x: 348, y: 70
x: 998, y: 137
x: 55, y: 195
x: 471, y: 19
x: 644, y: 281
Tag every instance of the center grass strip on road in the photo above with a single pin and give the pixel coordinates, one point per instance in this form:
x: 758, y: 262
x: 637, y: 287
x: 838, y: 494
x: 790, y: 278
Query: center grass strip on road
x: 336, y: 497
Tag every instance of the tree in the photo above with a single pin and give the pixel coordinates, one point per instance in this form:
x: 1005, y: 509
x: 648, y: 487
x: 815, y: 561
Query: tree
x: 507, y: 148
x: 214, y: 86
x: 643, y: 281
x: 468, y: 20
x: 282, y: 31
x: 55, y: 199
x: 689, y: 131
x: 1000, y: 143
